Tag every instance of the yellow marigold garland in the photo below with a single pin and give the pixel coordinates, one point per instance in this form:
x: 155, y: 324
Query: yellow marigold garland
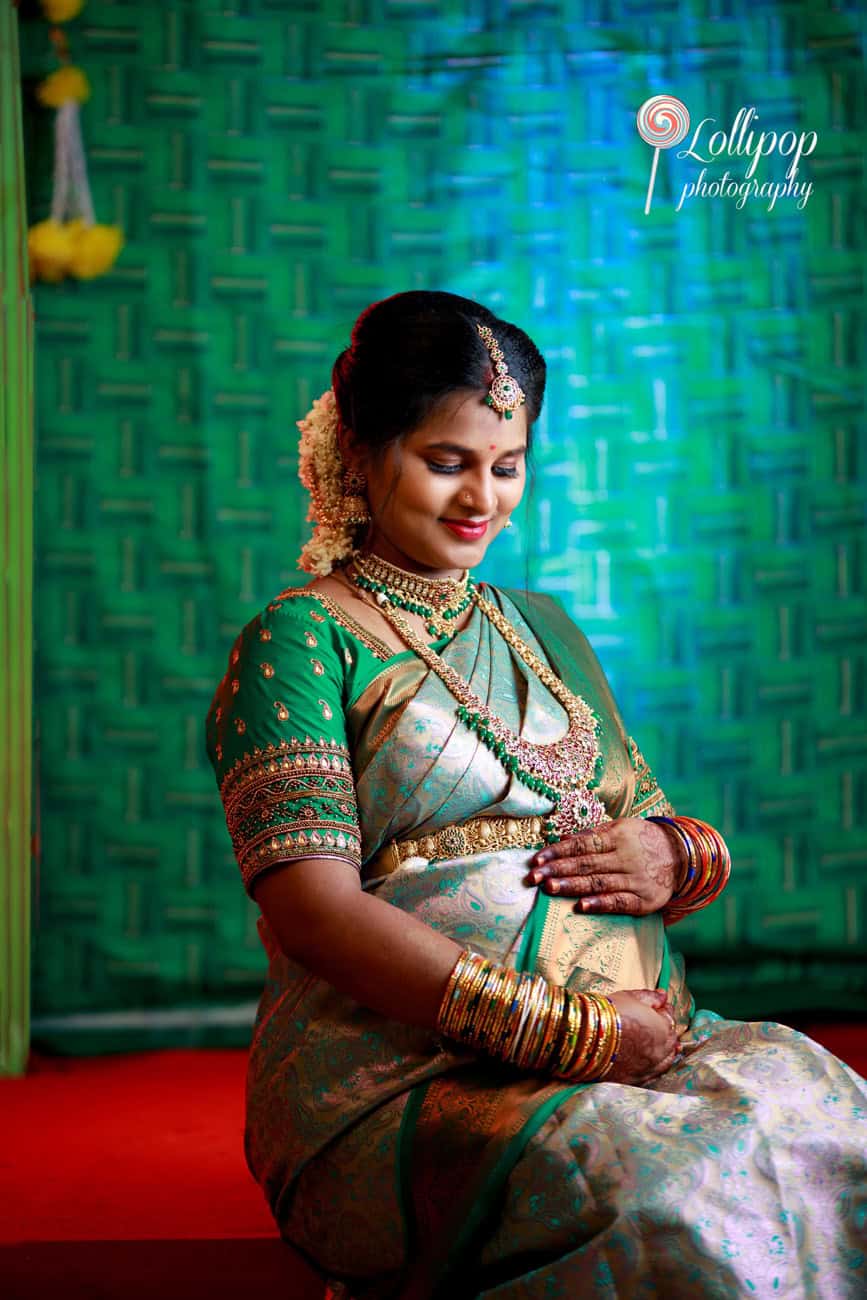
x: 70, y: 241
x: 60, y: 87
x: 60, y: 11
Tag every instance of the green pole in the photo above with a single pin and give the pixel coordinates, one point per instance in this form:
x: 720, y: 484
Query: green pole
x: 16, y: 556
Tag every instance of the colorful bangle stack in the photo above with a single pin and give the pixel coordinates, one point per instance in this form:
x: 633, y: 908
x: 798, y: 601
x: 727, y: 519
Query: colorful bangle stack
x: 708, y: 866
x: 527, y: 1022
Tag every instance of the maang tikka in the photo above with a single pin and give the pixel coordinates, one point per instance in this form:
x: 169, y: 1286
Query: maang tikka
x: 505, y: 394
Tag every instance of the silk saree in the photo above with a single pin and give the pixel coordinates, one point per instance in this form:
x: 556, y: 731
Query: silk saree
x: 406, y: 1167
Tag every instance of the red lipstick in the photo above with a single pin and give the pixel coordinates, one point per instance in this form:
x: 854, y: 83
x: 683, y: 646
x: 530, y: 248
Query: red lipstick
x: 469, y: 532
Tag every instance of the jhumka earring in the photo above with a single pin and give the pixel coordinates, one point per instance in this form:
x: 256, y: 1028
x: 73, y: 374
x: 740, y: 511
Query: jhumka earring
x: 505, y: 394
x: 354, y: 507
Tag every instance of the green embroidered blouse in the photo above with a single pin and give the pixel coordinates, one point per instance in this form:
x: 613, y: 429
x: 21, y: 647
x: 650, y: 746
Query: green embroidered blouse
x: 276, y: 733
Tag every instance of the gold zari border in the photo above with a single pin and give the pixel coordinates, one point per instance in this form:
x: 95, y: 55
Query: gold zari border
x: 648, y: 796
x: 285, y: 757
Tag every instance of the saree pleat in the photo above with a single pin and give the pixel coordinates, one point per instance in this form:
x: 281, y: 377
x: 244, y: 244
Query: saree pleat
x: 406, y: 1167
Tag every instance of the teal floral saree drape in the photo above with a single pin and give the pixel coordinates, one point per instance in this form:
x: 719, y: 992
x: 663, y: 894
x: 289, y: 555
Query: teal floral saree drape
x: 404, y: 1166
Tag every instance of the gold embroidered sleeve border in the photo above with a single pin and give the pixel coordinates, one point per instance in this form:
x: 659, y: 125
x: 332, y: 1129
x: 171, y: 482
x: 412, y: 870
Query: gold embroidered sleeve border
x: 291, y: 800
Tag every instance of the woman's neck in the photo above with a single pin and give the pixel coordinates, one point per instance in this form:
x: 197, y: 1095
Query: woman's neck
x: 386, y: 550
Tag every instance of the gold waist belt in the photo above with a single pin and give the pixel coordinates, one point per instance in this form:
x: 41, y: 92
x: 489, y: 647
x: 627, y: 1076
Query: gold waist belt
x: 477, y: 835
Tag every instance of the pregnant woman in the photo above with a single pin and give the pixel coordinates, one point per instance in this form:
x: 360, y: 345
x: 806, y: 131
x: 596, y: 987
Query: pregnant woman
x: 476, y: 1068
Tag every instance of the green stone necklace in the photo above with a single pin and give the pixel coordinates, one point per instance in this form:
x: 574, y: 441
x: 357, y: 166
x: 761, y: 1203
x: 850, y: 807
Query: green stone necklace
x: 439, y: 601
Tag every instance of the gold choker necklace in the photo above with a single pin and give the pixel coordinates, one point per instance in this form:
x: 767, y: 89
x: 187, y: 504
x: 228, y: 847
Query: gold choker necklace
x: 439, y: 601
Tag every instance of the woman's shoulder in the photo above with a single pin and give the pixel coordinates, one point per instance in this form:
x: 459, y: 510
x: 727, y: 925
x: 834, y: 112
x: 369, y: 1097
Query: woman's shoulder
x: 314, y: 617
x: 290, y: 635
x: 294, y: 622
x: 286, y: 677
x: 324, y: 600
x: 295, y: 607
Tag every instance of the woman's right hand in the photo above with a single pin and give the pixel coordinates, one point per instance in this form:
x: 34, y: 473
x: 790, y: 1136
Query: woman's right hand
x: 649, y: 1043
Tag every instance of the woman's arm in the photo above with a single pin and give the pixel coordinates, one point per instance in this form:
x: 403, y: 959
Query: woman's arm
x: 396, y: 965
x: 365, y: 947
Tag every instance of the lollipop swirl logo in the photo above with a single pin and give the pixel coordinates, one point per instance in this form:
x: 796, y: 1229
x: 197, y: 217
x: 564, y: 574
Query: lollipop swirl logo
x: 662, y: 121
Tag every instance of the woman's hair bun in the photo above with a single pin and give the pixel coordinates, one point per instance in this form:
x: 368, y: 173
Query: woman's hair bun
x: 410, y: 351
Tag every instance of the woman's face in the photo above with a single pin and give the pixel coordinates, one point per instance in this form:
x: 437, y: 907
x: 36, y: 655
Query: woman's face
x: 465, y: 464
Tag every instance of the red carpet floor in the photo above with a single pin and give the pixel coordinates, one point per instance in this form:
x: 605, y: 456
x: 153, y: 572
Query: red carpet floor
x: 124, y: 1177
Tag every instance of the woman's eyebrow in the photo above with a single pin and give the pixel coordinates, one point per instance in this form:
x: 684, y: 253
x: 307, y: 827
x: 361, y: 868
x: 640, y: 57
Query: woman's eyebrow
x: 462, y: 451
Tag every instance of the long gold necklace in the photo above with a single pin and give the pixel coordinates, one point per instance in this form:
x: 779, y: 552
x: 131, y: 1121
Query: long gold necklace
x: 565, y: 771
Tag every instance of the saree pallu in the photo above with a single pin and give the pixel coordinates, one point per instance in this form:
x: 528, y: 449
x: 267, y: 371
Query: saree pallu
x: 405, y: 1167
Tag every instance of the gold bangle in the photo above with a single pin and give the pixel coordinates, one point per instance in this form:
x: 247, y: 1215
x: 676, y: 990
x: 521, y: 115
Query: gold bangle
x: 583, y: 1026
x: 596, y: 1043
x: 452, y: 1012
x: 587, y: 1045
x: 453, y: 978
x: 470, y: 983
x: 566, y: 1041
x: 496, y: 1003
x: 537, y: 1002
x: 555, y: 1027
x: 548, y: 1024
x: 453, y: 992
x: 508, y: 1010
x: 617, y: 1035
x: 603, y: 1065
x: 539, y: 1010
x: 485, y: 1006
x: 605, y: 1040
x: 511, y: 1047
x: 473, y: 1005
x: 528, y: 1021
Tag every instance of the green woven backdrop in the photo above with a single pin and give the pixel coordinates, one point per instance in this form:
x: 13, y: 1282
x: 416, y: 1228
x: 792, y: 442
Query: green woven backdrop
x: 701, y: 476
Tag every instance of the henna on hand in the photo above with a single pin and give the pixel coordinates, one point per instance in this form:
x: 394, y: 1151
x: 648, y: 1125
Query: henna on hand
x: 648, y: 1043
x: 629, y: 866
x: 659, y: 865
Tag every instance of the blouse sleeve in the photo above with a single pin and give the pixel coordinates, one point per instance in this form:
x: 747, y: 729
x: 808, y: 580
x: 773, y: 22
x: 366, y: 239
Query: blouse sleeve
x: 648, y: 800
x: 277, y: 740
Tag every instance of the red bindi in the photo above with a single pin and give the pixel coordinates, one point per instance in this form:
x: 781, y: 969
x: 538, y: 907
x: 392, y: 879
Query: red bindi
x: 493, y: 447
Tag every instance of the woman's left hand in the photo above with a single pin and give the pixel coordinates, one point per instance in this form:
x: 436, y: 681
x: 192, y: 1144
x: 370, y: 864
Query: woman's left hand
x: 630, y: 866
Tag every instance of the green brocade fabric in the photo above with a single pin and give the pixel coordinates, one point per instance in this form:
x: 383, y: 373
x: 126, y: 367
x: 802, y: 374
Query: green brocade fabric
x: 405, y: 1166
